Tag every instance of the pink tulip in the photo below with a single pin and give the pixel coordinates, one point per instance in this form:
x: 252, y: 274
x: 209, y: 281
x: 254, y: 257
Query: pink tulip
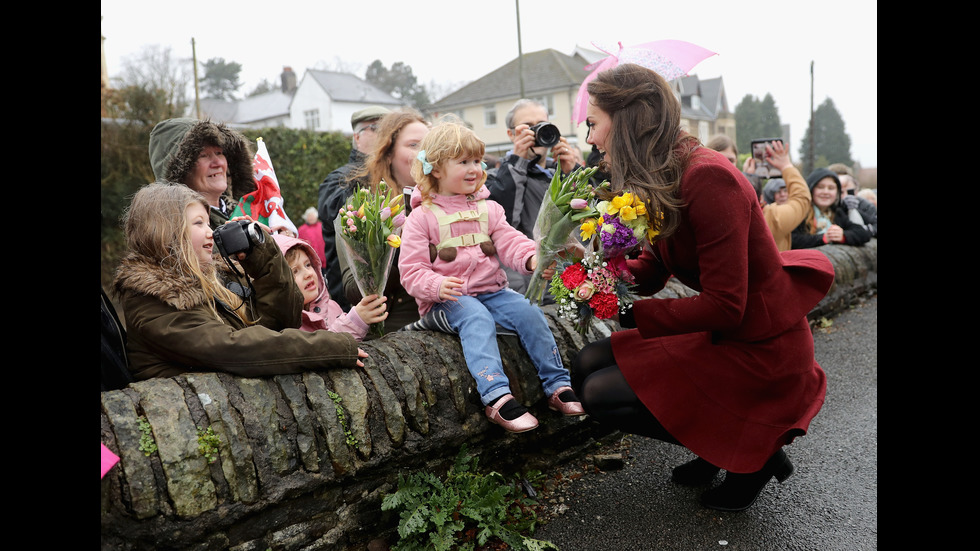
x: 385, y: 213
x: 398, y: 220
x: 578, y: 204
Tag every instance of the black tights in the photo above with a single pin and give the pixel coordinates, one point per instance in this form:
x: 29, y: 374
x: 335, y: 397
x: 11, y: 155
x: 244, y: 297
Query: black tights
x: 606, y: 395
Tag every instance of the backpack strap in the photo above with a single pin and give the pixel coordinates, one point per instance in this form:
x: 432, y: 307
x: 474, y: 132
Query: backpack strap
x: 467, y: 239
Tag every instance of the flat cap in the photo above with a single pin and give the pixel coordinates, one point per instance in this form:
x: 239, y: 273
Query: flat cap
x: 367, y: 114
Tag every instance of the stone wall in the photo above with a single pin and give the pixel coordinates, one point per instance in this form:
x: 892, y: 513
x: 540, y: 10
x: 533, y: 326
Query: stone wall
x: 303, y: 461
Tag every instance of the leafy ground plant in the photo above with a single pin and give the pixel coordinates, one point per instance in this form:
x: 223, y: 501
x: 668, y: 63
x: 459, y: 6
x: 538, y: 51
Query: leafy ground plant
x: 466, y: 510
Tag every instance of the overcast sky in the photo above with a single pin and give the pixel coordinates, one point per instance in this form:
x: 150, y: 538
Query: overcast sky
x: 762, y: 47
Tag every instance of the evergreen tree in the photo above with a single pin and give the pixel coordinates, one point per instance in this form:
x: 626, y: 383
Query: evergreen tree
x: 756, y: 119
x: 220, y: 80
x: 831, y: 144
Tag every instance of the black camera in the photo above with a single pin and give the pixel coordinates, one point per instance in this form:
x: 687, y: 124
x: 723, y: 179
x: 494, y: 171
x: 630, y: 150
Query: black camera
x: 545, y: 134
x: 240, y: 236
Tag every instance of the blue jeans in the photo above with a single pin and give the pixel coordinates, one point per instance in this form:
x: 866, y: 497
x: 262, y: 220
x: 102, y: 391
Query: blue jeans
x: 475, y: 319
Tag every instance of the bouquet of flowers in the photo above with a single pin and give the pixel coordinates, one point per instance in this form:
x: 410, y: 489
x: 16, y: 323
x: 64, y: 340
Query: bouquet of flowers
x: 592, y: 287
x: 370, y: 227
x: 622, y: 224
x: 567, y: 201
x: 599, y: 285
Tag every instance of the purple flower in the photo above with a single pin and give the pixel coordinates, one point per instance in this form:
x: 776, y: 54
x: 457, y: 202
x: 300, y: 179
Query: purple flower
x: 616, y: 236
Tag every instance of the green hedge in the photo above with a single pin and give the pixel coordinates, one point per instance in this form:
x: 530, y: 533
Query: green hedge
x: 301, y: 158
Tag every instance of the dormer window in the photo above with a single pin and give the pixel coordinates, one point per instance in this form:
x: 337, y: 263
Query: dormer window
x: 695, y: 102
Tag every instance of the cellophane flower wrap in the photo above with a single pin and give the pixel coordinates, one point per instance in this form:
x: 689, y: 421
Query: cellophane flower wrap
x: 599, y: 285
x: 370, y: 226
x: 567, y: 201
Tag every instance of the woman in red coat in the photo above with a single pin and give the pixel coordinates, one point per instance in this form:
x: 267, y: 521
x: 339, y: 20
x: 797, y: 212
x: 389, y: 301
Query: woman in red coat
x: 729, y: 373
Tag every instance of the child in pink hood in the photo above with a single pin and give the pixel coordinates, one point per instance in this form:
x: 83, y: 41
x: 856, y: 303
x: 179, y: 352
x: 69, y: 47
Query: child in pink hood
x: 319, y: 311
x: 452, y: 245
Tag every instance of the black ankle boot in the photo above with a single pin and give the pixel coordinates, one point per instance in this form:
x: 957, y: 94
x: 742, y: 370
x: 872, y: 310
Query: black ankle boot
x: 694, y: 473
x: 738, y: 491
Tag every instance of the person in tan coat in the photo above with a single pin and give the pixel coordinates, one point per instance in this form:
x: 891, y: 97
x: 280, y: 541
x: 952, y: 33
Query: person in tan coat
x: 785, y: 214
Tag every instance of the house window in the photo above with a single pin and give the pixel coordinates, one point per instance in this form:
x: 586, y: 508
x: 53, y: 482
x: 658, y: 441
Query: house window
x: 548, y: 102
x: 312, y: 119
x: 489, y: 116
x: 695, y: 102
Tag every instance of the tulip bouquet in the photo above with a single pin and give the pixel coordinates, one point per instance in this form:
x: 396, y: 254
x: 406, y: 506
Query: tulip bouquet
x: 567, y: 201
x: 599, y: 285
x: 370, y: 227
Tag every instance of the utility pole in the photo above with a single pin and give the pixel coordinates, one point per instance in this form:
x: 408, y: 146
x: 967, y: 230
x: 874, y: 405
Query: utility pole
x: 197, y: 93
x: 812, y: 132
x: 520, y: 53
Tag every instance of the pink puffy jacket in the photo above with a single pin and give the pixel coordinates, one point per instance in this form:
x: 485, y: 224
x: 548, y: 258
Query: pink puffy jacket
x: 480, y: 273
x: 323, y: 312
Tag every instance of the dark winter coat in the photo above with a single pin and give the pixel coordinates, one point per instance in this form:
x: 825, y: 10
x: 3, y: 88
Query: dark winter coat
x: 171, y: 329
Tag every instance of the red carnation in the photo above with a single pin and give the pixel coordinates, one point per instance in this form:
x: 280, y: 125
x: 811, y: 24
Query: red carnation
x: 605, y: 305
x: 573, y: 276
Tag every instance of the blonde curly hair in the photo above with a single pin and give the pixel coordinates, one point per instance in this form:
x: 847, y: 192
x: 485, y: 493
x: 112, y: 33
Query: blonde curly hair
x: 449, y: 139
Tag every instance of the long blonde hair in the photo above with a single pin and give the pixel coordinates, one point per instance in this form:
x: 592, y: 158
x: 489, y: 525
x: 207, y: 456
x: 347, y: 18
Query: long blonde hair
x: 156, y: 229
x: 448, y: 140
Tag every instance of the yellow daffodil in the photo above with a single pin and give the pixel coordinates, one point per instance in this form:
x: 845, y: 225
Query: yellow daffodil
x: 641, y: 209
x: 627, y: 213
x: 619, y: 202
x: 588, y: 229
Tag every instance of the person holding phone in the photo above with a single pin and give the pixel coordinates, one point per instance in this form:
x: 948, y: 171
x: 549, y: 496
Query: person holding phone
x: 783, y: 217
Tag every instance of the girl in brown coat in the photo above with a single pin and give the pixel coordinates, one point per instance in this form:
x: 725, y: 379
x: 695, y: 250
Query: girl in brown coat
x: 179, y: 315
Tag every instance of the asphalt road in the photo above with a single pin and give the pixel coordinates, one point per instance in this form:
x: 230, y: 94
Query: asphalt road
x: 830, y: 503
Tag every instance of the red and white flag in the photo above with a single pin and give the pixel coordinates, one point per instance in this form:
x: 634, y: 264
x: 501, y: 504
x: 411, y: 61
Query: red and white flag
x: 265, y: 203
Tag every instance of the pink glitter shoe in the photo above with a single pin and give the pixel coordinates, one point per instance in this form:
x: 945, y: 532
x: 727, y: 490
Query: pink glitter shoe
x: 523, y: 423
x: 568, y: 409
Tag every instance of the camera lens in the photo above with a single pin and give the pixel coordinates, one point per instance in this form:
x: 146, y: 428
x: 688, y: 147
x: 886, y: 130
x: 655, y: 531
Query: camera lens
x: 546, y: 134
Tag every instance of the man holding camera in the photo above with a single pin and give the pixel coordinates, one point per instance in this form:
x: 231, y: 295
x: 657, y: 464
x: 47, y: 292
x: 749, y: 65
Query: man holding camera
x: 526, y: 171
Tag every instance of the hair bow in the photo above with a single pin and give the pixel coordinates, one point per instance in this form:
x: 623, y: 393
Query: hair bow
x: 426, y: 165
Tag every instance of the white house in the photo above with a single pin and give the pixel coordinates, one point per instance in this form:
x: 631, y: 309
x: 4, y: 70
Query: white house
x: 325, y: 100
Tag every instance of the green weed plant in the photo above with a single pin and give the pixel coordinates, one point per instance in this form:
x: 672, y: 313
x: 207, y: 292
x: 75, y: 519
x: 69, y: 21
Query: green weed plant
x: 464, y: 510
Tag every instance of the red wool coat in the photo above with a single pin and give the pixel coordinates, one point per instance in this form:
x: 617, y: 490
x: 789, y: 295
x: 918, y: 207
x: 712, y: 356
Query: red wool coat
x: 730, y: 372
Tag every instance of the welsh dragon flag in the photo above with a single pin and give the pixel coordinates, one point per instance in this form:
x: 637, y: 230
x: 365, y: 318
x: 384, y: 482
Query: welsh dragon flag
x: 264, y: 205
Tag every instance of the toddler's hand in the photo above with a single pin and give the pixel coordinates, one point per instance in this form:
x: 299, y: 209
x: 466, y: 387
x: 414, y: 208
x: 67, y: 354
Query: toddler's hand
x: 450, y: 288
x: 361, y: 354
x: 372, y: 309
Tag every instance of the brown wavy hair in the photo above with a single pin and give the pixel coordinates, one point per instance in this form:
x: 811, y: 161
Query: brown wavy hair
x: 646, y: 148
x: 377, y: 166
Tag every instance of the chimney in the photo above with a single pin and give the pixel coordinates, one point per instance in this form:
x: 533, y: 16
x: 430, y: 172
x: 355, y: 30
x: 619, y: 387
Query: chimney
x: 288, y: 80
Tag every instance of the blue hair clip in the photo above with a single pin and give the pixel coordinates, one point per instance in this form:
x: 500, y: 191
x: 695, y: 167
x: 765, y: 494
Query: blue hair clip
x: 483, y: 164
x: 426, y: 165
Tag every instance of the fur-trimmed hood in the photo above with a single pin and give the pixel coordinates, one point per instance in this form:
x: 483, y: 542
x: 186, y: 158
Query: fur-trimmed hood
x: 142, y: 276
x: 176, y: 144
